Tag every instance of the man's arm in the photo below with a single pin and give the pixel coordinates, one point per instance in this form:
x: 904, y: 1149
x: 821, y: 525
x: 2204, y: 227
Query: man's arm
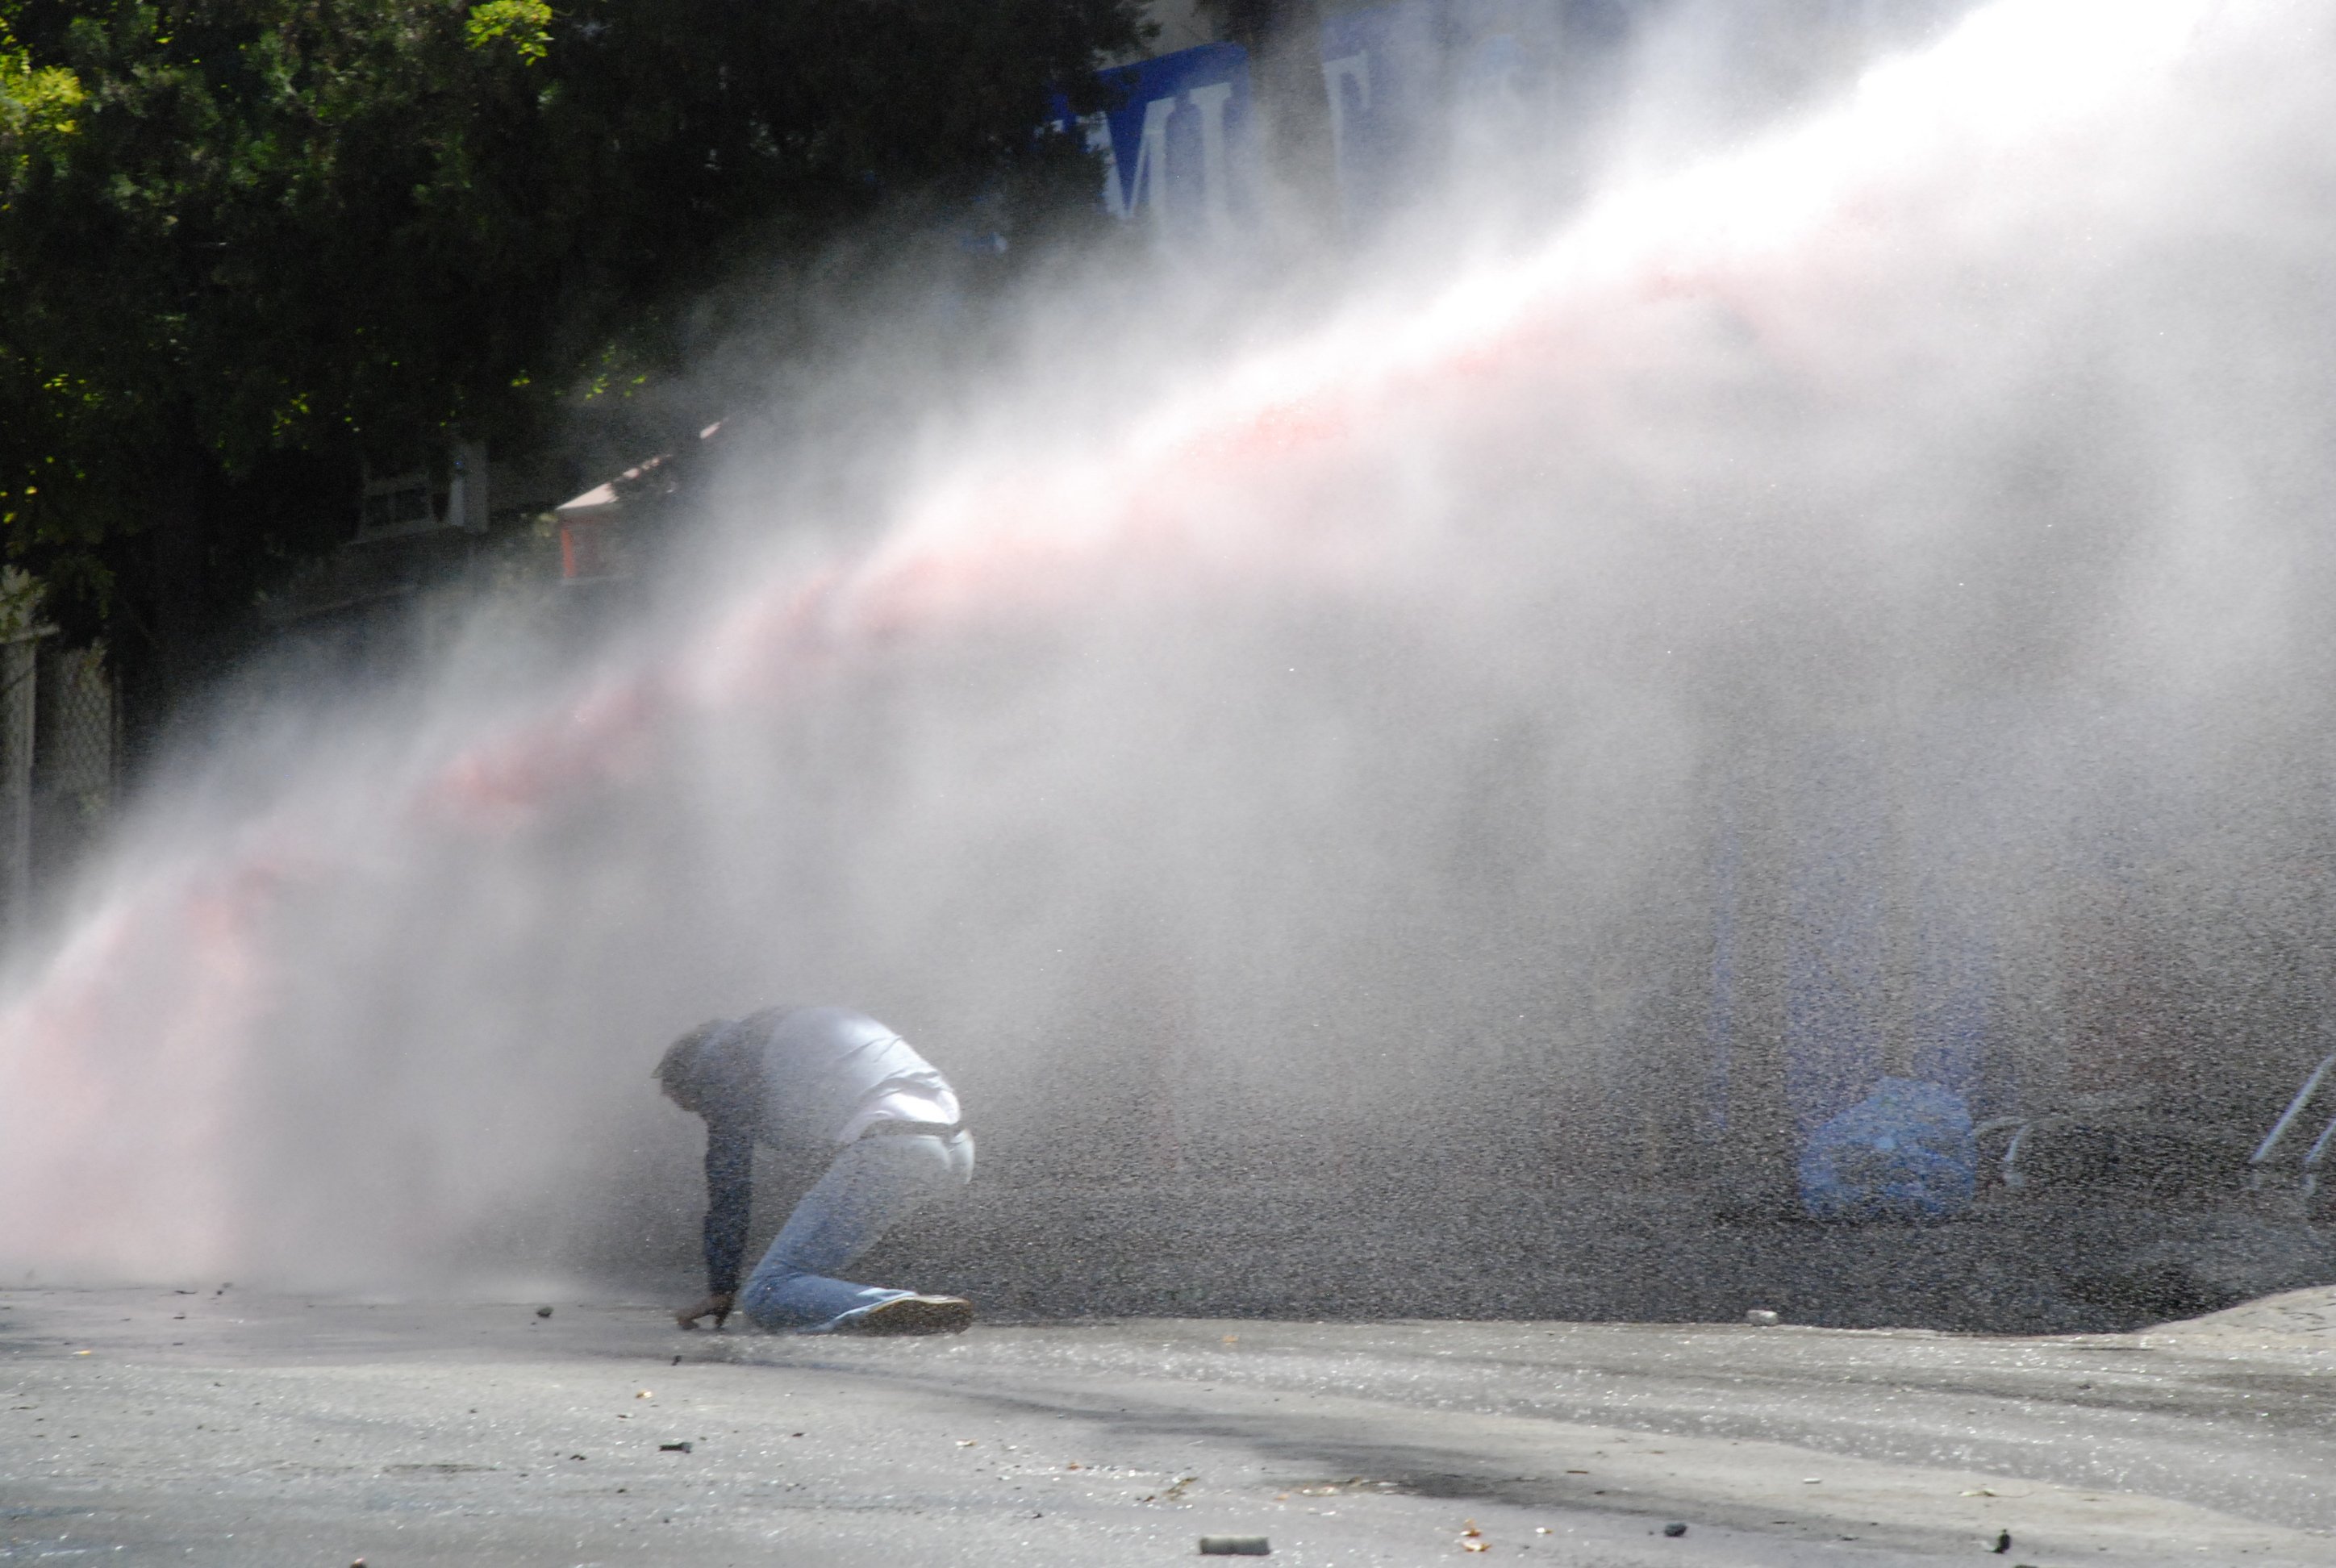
x: 729, y: 1200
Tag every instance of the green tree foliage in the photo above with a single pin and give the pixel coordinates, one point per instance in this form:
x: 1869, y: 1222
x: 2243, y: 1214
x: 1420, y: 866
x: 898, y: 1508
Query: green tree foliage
x: 246, y: 245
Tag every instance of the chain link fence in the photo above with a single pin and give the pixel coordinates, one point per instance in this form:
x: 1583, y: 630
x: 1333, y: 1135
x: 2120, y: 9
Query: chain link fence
x: 58, y: 750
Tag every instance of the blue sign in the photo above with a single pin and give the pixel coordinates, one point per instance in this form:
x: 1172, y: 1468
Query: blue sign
x: 1382, y: 71
x: 1180, y: 152
x: 1416, y: 89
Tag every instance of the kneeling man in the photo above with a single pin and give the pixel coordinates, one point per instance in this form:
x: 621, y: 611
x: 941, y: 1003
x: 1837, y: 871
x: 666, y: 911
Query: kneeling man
x: 800, y: 1079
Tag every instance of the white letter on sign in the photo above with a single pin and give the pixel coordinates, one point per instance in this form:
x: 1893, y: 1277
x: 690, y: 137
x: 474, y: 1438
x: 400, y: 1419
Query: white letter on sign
x: 1215, y: 183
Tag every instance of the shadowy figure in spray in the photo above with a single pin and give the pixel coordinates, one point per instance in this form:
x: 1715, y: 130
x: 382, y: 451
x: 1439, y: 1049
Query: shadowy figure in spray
x: 802, y: 1080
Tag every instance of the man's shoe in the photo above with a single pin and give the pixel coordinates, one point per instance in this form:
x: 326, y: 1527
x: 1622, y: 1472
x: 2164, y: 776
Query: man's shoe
x: 912, y: 1315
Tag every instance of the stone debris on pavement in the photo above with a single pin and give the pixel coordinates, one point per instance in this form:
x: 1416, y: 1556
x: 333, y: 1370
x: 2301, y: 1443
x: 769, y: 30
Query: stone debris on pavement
x: 544, y: 1311
x: 2002, y: 1541
x: 1674, y: 1529
x: 358, y: 1399
x: 1236, y: 1546
x: 673, y: 1449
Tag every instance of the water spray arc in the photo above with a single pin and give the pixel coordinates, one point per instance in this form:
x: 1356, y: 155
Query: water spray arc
x: 127, y: 1059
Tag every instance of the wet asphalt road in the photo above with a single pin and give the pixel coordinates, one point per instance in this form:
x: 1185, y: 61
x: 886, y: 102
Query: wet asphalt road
x: 146, y: 1426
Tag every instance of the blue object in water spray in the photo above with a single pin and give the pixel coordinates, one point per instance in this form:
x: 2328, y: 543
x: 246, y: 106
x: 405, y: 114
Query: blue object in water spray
x: 1905, y: 1151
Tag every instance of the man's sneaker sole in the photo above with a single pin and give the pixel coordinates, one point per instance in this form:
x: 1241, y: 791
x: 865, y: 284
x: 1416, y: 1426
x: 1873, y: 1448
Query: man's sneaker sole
x: 913, y: 1315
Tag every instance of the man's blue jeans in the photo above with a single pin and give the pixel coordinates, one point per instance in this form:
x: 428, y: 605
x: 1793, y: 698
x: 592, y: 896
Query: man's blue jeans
x: 873, y: 1184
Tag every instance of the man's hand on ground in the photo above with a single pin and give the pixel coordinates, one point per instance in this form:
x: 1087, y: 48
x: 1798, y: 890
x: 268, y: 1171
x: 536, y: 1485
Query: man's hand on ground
x: 717, y: 1307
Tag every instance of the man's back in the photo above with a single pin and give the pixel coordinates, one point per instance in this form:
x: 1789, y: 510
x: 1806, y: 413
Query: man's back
x: 819, y: 1065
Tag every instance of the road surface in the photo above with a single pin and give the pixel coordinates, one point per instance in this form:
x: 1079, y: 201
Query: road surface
x: 220, y: 1426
